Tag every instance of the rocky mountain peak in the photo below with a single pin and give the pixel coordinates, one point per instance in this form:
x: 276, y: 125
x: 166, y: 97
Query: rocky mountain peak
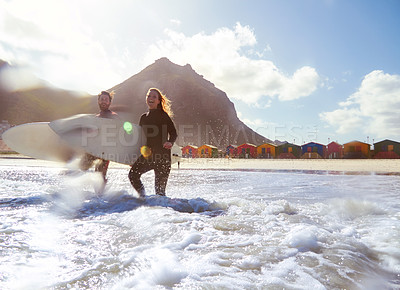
x: 203, y: 113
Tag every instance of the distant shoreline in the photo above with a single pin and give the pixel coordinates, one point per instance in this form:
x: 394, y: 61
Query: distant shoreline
x: 340, y: 165
x: 387, y: 166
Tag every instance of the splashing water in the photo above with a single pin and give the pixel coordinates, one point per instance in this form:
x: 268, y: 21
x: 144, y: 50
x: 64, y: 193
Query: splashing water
x: 214, y: 230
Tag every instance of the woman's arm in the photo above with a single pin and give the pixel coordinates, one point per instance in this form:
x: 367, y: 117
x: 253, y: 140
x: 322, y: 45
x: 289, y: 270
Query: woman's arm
x: 171, y: 132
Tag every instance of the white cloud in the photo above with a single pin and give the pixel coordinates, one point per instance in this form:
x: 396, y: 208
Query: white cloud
x: 72, y: 45
x: 374, y: 108
x: 346, y: 120
x: 219, y: 58
x: 265, y: 128
x: 56, y: 43
x: 290, y: 131
x: 176, y: 22
x: 303, y: 82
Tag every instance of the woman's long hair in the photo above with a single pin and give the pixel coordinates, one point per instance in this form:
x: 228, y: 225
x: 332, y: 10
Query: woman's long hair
x: 165, y: 103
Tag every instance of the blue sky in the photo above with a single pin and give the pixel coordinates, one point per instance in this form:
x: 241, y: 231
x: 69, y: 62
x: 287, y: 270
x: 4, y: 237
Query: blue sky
x: 299, y: 70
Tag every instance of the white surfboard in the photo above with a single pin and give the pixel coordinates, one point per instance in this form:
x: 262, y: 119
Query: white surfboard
x: 111, y: 139
x: 39, y: 141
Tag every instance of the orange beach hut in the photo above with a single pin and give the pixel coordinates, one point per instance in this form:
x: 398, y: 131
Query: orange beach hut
x: 266, y: 150
x: 190, y: 151
x: 207, y: 151
x: 356, y: 150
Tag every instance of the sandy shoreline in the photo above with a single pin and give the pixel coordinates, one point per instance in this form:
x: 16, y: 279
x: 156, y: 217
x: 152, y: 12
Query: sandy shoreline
x: 346, y: 165
x: 340, y: 165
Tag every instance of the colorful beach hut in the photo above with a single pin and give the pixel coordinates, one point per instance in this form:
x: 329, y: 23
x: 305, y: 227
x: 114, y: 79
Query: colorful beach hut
x: 356, y: 150
x: 334, y: 151
x: 387, y: 149
x: 247, y: 150
x: 313, y: 150
x: 231, y: 151
x: 288, y: 151
x: 266, y: 150
x: 190, y: 151
x: 207, y: 151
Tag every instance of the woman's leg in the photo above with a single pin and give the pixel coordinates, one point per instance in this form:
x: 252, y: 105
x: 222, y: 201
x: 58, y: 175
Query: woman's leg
x: 161, y: 171
x: 138, y: 168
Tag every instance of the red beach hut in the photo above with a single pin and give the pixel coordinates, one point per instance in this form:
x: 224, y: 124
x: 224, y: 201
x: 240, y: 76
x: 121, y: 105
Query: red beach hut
x: 335, y: 151
x: 247, y: 150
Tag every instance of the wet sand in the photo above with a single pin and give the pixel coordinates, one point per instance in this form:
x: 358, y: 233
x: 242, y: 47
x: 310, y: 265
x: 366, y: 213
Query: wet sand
x: 346, y: 165
x: 339, y: 165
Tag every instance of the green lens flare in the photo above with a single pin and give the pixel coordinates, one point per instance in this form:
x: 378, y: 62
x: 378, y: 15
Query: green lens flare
x: 128, y: 127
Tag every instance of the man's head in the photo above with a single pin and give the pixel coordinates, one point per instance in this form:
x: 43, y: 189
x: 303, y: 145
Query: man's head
x: 104, y: 100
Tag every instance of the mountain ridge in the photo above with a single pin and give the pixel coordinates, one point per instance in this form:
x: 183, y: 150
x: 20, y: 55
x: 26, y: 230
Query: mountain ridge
x: 203, y: 113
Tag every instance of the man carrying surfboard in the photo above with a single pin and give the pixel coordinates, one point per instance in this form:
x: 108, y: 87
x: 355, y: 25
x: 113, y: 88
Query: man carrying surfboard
x: 160, y: 133
x: 104, y: 100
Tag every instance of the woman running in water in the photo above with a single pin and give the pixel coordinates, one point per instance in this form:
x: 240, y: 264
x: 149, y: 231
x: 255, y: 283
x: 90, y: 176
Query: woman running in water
x: 160, y: 133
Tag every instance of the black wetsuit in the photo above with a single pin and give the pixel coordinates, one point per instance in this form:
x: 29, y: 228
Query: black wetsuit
x: 158, y: 129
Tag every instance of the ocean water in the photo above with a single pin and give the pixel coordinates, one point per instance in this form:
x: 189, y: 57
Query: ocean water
x: 214, y: 230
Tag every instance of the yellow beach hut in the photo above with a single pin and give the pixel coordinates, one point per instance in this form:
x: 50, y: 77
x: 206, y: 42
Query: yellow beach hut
x: 207, y: 151
x: 266, y: 150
